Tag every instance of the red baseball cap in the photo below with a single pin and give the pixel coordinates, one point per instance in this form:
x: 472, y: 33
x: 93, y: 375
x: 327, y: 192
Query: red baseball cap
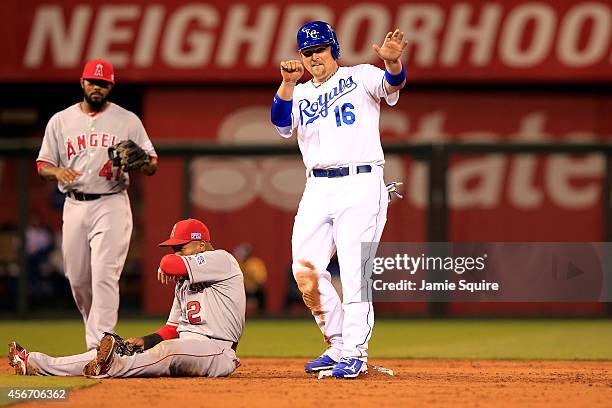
x: 185, y: 231
x: 99, y: 69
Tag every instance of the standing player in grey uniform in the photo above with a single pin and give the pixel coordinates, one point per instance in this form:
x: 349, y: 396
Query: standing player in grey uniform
x: 97, y: 221
x: 202, y: 332
x: 335, y: 117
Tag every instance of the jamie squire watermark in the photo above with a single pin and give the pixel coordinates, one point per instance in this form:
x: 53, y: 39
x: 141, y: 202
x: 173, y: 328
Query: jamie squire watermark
x: 487, y: 271
x: 424, y: 285
x: 406, y: 263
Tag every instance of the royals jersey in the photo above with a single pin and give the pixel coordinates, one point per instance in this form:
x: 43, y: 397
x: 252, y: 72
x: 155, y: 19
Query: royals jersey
x: 337, y: 121
x: 211, y: 301
x: 81, y: 141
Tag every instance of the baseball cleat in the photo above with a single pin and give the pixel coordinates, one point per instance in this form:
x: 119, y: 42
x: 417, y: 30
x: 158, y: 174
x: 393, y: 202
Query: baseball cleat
x: 18, y: 358
x: 323, y: 362
x: 349, y: 367
x: 104, y: 358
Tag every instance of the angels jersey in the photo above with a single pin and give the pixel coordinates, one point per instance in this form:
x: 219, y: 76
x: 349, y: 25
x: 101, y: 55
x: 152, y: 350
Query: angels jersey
x: 211, y: 301
x: 81, y: 141
x: 337, y: 121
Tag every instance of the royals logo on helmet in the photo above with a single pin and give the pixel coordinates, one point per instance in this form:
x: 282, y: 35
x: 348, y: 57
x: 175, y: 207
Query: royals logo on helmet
x: 318, y: 33
x: 314, y: 34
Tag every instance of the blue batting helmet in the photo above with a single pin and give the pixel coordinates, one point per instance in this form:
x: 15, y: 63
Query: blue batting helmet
x: 318, y: 33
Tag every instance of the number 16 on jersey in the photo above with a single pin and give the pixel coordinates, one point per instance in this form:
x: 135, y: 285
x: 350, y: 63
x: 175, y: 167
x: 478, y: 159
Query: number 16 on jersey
x: 344, y: 114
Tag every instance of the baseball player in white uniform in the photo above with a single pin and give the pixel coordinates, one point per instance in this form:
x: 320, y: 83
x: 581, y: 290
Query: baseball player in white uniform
x: 97, y: 220
x: 202, y: 332
x: 335, y: 117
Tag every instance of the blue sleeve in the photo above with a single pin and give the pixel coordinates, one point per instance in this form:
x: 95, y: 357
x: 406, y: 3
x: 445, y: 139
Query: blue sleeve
x: 280, y: 114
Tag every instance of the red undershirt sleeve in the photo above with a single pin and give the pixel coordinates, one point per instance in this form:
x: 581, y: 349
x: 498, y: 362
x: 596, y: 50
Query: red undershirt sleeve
x: 40, y: 165
x: 173, y: 265
x: 167, y: 332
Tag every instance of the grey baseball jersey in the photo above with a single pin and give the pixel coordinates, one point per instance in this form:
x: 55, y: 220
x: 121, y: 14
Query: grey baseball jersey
x: 78, y: 140
x: 95, y: 234
x: 208, y: 308
x: 211, y: 301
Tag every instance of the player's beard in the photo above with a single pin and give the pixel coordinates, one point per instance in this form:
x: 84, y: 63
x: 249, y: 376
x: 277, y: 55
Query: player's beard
x: 97, y: 103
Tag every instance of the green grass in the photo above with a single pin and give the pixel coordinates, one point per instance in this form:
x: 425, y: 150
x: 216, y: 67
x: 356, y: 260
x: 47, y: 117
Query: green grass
x: 61, y: 337
x: 453, y: 339
x: 44, y: 382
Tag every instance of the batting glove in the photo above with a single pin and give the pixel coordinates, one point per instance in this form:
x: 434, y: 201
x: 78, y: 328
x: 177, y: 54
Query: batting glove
x: 392, y: 190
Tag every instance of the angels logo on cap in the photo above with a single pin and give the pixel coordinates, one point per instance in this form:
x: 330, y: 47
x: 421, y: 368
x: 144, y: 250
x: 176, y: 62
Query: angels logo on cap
x: 185, y: 231
x: 99, y: 70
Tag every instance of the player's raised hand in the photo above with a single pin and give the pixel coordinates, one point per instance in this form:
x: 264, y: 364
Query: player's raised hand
x: 392, y: 46
x: 291, y: 70
x: 66, y: 175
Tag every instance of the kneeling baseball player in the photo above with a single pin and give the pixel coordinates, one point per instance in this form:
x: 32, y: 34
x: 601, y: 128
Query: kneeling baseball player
x: 201, y: 334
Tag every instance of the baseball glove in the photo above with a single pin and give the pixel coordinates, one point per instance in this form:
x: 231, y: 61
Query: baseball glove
x: 128, y: 155
x: 123, y: 348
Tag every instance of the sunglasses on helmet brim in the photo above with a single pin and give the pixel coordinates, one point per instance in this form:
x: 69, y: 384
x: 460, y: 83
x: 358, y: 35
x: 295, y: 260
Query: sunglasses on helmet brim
x: 308, y: 52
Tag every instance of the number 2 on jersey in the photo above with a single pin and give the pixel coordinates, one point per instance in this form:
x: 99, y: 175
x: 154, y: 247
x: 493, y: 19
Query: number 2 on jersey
x: 193, y: 309
x: 344, y: 114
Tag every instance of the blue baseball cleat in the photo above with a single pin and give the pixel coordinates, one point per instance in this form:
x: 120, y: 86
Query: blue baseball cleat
x: 323, y: 362
x: 349, y: 368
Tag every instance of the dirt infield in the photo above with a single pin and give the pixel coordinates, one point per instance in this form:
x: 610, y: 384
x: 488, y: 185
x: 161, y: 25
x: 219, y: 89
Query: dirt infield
x: 429, y: 383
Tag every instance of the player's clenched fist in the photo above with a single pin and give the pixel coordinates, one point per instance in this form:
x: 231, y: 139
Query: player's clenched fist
x: 291, y: 70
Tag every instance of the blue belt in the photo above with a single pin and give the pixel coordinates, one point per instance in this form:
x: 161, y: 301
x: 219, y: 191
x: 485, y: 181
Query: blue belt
x: 340, y: 171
